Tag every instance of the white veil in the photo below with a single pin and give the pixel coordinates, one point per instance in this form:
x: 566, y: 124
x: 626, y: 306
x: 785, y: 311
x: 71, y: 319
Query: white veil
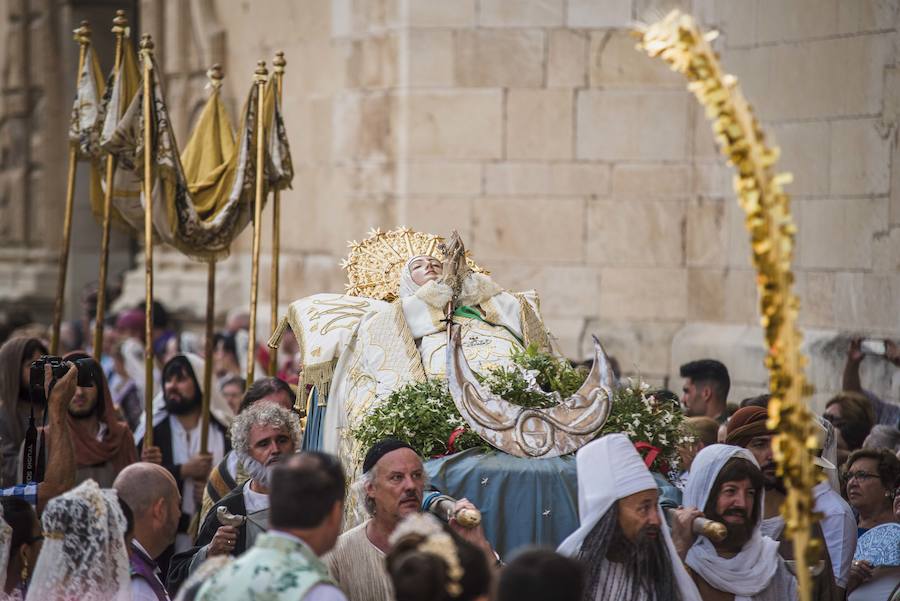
x: 84, y: 556
x: 407, y: 286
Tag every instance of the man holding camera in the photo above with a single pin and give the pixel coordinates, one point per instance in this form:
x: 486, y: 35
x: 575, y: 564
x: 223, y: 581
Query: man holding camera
x: 60, y: 473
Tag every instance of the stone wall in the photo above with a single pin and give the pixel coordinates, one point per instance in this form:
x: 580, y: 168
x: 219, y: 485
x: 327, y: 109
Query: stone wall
x: 570, y: 162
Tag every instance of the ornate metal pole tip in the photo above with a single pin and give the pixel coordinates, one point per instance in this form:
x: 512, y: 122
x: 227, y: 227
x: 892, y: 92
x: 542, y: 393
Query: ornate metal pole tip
x: 279, y: 62
x: 83, y: 33
x: 120, y: 20
x: 261, y: 73
x: 146, y: 42
x: 215, y: 75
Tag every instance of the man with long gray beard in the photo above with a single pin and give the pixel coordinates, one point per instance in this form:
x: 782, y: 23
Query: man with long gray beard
x: 262, y: 436
x: 623, y: 539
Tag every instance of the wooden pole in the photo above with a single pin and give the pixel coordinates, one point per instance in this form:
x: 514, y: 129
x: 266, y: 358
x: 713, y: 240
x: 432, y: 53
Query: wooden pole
x: 260, y: 76
x: 215, y: 76
x: 120, y: 24
x: 278, y: 64
x: 83, y: 37
x: 147, y: 55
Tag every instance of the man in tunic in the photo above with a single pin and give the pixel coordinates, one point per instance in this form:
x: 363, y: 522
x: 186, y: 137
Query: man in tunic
x: 263, y: 436
x: 622, y: 539
x: 152, y: 495
x: 176, y: 438
x: 728, y: 485
x: 307, y: 502
x: 392, y: 485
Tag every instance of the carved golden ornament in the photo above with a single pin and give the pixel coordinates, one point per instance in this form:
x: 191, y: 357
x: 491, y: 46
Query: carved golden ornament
x: 373, y: 265
x: 679, y: 41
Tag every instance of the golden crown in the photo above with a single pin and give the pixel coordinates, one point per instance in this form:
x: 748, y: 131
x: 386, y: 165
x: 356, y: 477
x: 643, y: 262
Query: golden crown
x: 373, y: 265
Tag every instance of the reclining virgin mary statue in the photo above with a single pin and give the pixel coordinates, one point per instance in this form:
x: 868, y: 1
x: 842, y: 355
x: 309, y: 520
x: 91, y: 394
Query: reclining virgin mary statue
x: 391, y: 329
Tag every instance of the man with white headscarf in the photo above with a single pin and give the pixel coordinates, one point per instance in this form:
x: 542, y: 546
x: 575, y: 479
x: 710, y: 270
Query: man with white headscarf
x: 727, y: 485
x: 622, y: 538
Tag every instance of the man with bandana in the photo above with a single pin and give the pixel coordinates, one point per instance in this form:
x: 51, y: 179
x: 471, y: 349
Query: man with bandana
x: 392, y: 487
x: 622, y: 539
x: 726, y: 486
x: 263, y: 436
x: 176, y: 439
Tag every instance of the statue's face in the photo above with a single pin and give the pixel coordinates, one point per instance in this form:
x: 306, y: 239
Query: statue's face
x: 425, y: 269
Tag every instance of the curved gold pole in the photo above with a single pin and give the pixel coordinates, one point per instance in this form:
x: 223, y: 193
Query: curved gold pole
x: 215, y: 76
x: 260, y: 76
x: 120, y: 26
x: 278, y: 68
x: 83, y: 37
x: 680, y: 42
x: 147, y: 56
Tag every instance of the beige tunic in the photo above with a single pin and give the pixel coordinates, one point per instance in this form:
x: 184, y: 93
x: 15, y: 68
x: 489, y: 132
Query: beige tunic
x: 358, y: 567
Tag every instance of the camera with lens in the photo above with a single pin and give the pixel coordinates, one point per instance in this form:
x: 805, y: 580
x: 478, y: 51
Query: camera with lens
x: 58, y: 368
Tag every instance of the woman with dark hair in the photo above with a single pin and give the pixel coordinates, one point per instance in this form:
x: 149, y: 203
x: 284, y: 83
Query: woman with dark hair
x: 25, y: 544
x: 871, y: 478
x: 16, y: 409
x: 429, y: 562
x: 852, y: 416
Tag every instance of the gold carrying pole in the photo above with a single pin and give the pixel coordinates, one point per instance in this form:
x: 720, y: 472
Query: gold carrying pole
x: 120, y: 24
x: 146, y: 55
x: 278, y: 64
x: 260, y: 76
x: 215, y: 76
x: 83, y: 37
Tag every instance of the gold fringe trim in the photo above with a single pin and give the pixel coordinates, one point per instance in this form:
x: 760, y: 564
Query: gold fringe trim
x: 319, y: 377
x: 278, y: 334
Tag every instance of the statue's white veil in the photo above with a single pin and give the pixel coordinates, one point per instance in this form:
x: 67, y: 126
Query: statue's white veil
x: 84, y: 556
x: 407, y: 286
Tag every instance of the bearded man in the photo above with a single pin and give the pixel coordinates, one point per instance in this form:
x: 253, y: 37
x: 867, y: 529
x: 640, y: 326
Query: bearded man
x: 103, y: 444
x: 392, y: 487
x: 727, y: 484
x: 747, y: 428
x: 622, y: 538
x: 176, y: 439
x: 263, y: 436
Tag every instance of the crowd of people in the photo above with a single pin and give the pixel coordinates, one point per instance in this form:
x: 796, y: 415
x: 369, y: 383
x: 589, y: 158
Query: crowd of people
x: 98, y: 504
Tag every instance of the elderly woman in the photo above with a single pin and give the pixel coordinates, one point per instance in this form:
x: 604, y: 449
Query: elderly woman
x: 872, y: 477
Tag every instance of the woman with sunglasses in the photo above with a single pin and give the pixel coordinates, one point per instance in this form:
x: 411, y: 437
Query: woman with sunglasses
x: 871, y: 478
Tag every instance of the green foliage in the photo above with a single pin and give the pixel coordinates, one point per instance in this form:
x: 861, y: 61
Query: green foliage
x: 423, y: 413
x: 648, y: 416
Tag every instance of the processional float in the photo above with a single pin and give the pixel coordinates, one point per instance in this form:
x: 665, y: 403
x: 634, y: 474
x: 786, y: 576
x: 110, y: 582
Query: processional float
x: 197, y: 201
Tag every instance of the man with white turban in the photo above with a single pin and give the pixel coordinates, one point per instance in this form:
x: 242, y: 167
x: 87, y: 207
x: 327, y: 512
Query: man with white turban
x: 622, y: 538
x: 727, y: 484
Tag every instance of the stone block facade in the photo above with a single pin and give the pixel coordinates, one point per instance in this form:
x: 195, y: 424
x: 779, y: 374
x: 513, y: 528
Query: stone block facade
x: 574, y: 164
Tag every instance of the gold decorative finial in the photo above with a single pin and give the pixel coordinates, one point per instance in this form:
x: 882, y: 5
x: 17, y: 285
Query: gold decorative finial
x: 261, y: 74
x: 215, y: 75
x: 146, y: 43
x: 279, y: 62
x: 83, y: 33
x: 120, y: 22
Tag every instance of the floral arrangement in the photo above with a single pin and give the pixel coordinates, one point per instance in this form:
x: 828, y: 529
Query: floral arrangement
x: 424, y: 415
x: 653, y: 420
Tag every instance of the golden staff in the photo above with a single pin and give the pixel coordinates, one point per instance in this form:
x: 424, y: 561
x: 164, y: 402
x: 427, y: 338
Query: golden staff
x: 680, y: 42
x: 147, y: 56
x: 120, y: 24
x: 215, y: 76
x: 83, y: 37
x: 260, y: 76
x: 279, y: 64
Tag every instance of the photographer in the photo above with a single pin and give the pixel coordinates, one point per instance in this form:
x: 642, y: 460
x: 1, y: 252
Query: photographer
x: 103, y: 444
x: 60, y: 474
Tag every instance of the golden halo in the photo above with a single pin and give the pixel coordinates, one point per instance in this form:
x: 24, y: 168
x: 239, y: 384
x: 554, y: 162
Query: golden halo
x: 373, y: 265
